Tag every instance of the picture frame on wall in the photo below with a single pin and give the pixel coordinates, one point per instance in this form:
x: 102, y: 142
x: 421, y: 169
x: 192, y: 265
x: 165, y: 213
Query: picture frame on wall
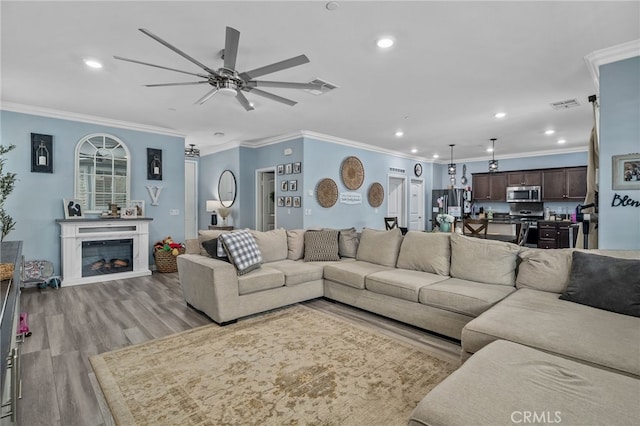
x: 288, y: 168
x: 41, y: 153
x: 72, y: 208
x: 288, y: 201
x: 280, y: 201
x: 293, y: 185
x: 280, y: 169
x: 284, y: 185
x: 297, y: 202
x: 154, y: 164
x: 297, y: 167
x: 626, y: 171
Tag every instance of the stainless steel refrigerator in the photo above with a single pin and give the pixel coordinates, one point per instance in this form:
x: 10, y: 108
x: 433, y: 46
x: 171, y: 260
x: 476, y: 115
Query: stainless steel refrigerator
x: 457, y: 198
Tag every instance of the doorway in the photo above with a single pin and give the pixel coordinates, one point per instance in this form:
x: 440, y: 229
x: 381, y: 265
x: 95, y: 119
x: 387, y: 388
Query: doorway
x: 396, y: 204
x: 190, y: 199
x: 265, y: 199
x: 416, y: 205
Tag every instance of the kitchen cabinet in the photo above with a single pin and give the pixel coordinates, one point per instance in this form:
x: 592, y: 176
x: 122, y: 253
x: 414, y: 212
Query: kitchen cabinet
x: 489, y: 186
x: 553, y: 235
x: 565, y: 184
x: 524, y: 178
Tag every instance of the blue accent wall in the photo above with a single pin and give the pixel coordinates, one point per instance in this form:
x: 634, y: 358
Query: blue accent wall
x: 36, y: 201
x: 619, y: 227
x: 210, y: 167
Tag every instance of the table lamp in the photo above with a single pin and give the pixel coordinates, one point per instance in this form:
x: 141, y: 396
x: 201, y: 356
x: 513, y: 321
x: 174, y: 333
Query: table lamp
x: 213, y: 206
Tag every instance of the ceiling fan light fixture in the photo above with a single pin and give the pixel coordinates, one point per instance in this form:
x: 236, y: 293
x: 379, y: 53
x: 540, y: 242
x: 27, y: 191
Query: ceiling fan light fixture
x: 228, y: 88
x: 493, y: 163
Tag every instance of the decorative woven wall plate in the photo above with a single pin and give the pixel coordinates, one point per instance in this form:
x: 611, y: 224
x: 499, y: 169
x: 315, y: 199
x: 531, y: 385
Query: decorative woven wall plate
x: 327, y: 192
x: 352, y: 172
x: 375, y: 194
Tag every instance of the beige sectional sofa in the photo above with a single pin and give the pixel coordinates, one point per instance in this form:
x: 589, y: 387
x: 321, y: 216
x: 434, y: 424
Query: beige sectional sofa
x: 484, y: 293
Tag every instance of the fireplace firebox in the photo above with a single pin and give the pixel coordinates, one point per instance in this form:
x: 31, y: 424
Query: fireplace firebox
x: 107, y: 257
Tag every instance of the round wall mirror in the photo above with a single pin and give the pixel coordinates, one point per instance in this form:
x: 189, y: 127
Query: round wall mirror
x: 227, y: 188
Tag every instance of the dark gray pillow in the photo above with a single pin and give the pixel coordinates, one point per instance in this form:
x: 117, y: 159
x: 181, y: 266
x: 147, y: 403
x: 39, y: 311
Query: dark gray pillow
x: 604, y: 282
x: 321, y: 246
x: 211, y: 246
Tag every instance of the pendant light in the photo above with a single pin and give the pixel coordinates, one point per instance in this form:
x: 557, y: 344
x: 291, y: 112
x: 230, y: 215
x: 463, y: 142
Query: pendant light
x: 451, y: 169
x: 493, y: 163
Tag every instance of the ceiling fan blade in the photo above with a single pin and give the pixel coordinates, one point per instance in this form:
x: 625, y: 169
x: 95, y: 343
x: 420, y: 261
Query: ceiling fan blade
x: 178, y: 51
x: 278, y: 66
x: 176, y: 84
x: 207, y: 96
x: 272, y: 96
x: 120, y: 58
x: 283, y: 85
x: 231, y: 48
x: 244, y: 101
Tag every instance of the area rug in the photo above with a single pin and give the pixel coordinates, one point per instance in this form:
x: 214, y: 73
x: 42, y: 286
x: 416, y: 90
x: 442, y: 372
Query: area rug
x: 294, y: 366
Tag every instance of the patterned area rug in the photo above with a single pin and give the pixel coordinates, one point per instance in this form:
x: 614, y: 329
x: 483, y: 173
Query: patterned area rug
x: 295, y: 366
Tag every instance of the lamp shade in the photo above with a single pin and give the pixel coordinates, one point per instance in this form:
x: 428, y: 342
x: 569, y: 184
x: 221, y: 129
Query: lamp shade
x: 213, y: 205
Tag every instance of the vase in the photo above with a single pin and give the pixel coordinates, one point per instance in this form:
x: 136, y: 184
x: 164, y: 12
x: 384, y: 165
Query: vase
x: 445, y: 227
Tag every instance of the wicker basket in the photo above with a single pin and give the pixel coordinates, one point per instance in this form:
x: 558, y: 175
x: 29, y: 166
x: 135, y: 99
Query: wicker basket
x: 6, y: 271
x: 165, y: 261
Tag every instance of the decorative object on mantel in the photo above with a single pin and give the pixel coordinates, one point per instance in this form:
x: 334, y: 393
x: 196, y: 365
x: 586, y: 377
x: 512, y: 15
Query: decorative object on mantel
x: 72, y: 209
x: 493, y: 163
x: 41, y: 153
x: 154, y: 193
x: 451, y: 168
x: 192, y: 151
x: 375, y: 194
x: 139, y: 206
x: 626, y: 171
x: 352, y: 172
x: 128, y: 213
x: 7, y: 182
x: 154, y: 164
x: 327, y: 192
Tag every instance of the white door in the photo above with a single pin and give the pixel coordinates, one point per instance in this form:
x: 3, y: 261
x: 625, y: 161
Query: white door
x: 190, y: 199
x: 265, y: 206
x: 416, y: 205
x: 396, y: 204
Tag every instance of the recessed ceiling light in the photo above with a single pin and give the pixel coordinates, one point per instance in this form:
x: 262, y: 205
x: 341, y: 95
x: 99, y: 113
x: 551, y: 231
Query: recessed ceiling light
x: 385, y: 42
x: 489, y: 149
x: 399, y: 133
x: 218, y: 134
x: 549, y: 132
x: 500, y: 115
x: 436, y: 156
x: 332, y: 5
x: 414, y: 150
x: 562, y: 141
x: 92, y: 63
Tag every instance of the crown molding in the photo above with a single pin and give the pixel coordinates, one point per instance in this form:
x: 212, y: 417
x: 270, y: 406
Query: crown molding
x: 72, y: 116
x: 608, y: 55
x: 520, y: 155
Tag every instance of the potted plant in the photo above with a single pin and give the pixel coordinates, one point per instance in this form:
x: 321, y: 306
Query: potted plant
x: 7, y: 182
x: 444, y: 222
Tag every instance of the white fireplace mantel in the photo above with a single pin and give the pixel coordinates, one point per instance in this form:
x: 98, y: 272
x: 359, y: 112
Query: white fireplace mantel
x: 76, y: 231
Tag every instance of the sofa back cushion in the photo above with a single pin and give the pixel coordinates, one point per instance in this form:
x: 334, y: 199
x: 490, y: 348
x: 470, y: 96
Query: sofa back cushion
x: 379, y: 247
x: 485, y: 261
x: 272, y: 244
x: 544, y: 270
x: 426, y: 252
x: 295, y: 244
x: 348, y: 242
x: 204, y: 235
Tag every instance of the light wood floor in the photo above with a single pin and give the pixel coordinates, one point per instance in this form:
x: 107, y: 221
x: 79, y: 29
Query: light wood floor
x: 72, y: 323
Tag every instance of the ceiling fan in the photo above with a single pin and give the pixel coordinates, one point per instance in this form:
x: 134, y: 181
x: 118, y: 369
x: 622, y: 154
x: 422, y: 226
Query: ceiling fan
x: 227, y: 80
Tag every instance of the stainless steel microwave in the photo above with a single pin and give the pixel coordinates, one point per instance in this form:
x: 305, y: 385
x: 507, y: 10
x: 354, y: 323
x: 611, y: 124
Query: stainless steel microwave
x: 523, y: 194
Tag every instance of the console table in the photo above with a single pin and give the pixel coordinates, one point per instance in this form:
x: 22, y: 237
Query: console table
x: 97, y: 250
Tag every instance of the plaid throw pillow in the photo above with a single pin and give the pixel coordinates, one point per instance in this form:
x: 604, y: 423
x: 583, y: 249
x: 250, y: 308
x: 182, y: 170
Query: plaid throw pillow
x: 242, y: 250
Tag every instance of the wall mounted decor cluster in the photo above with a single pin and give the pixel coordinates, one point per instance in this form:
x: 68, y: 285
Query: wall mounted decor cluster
x: 375, y: 195
x: 41, y: 153
x: 289, y: 168
x: 154, y: 164
x: 352, y: 172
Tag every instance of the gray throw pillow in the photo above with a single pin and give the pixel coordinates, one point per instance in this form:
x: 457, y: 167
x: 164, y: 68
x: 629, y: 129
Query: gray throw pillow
x: 321, y: 246
x: 605, y: 282
x: 348, y: 242
x: 211, y: 246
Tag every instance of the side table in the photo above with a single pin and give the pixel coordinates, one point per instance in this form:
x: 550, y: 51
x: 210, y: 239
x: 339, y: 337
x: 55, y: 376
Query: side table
x: 221, y: 228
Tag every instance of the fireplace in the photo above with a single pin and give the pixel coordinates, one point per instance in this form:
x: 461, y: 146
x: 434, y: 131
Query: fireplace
x: 107, y: 257
x: 97, y: 250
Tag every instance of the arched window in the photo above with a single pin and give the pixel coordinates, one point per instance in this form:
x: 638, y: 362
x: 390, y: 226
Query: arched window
x: 102, y: 172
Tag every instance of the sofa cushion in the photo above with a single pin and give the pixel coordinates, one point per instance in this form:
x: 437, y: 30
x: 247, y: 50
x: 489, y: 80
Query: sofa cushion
x: 426, y: 251
x: 297, y: 272
x: 485, y: 261
x: 506, y: 383
x: 204, y: 235
x: 380, y: 247
x: 261, y: 279
x: 242, y: 250
x: 272, y: 244
x: 213, y: 251
x: 353, y: 273
x: 462, y: 296
x: 321, y: 245
x: 605, y: 282
x: 400, y: 283
x: 542, y: 320
x: 295, y: 244
x: 545, y: 270
x: 348, y: 242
